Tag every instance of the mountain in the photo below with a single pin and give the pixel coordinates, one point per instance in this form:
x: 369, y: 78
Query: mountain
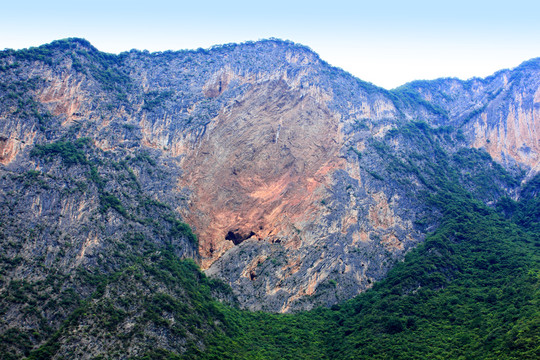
x: 302, y: 187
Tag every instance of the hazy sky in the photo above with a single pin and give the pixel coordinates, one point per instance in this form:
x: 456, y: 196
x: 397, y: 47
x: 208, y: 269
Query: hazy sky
x: 385, y: 42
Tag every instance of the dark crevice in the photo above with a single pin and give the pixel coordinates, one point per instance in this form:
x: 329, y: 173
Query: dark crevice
x: 236, y: 237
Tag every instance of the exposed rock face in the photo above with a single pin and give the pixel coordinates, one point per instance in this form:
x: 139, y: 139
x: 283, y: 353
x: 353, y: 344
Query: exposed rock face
x: 261, y: 167
x: 303, y: 184
x: 500, y: 113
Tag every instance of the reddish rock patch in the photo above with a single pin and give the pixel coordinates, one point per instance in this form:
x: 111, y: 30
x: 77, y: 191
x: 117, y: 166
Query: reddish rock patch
x: 258, y: 171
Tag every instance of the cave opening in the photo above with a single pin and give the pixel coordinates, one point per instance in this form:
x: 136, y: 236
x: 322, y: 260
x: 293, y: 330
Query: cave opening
x: 236, y: 237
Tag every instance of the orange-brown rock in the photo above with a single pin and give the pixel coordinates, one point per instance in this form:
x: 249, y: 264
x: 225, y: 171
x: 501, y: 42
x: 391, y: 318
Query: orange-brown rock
x: 261, y: 168
x: 517, y: 136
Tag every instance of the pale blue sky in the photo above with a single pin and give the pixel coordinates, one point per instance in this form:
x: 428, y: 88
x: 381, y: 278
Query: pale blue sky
x: 385, y: 42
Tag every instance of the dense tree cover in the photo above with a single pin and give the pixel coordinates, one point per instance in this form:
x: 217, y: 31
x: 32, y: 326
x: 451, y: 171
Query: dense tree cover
x: 526, y: 212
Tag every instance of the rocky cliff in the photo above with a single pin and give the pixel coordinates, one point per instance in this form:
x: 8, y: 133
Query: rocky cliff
x: 303, y: 184
x: 499, y: 114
